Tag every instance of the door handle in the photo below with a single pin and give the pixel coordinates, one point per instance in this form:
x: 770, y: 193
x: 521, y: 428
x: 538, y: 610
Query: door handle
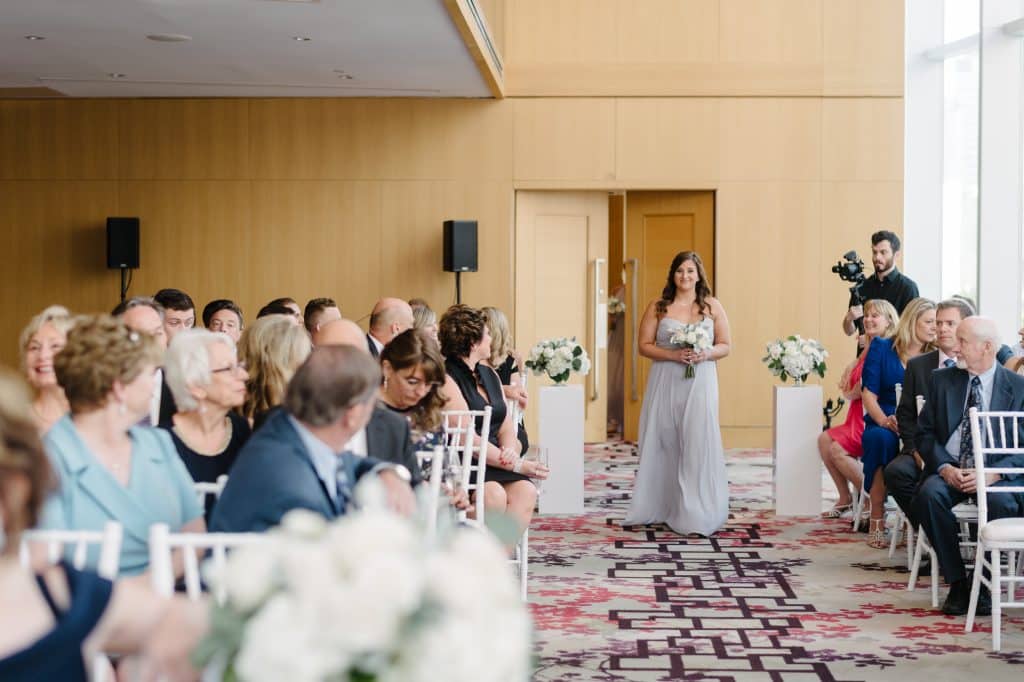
x: 634, y: 357
x: 595, y: 365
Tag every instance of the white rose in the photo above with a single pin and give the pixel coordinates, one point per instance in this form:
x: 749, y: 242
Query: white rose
x: 273, y: 640
x: 775, y: 351
x: 250, y: 575
x: 302, y: 523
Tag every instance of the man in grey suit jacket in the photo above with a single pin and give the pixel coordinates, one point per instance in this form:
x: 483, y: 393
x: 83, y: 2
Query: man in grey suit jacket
x: 949, y: 476
x: 296, y: 460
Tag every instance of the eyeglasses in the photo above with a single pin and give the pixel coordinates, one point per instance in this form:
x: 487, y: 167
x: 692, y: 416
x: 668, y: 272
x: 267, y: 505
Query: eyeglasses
x: 231, y: 368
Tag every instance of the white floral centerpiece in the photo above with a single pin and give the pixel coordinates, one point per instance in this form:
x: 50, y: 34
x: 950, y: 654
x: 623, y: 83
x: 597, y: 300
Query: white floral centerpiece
x: 558, y: 358
x: 692, y: 336
x: 365, y: 599
x: 616, y: 306
x: 795, y: 356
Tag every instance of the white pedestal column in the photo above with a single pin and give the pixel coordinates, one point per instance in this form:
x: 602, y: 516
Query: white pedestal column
x: 561, y: 432
x: 796, y: 464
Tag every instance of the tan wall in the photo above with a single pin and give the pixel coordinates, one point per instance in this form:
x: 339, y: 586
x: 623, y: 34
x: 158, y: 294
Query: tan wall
x: 253, y: 199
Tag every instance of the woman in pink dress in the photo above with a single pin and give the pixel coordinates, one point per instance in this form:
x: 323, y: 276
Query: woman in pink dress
x: 840, y: 446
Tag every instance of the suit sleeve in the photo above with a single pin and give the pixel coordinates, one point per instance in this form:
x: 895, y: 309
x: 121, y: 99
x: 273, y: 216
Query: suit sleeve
x: 932, y: 451
x: 906, y: 411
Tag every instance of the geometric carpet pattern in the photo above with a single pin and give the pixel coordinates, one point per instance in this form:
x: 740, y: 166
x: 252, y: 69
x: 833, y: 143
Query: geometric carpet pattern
x: 767, y: 598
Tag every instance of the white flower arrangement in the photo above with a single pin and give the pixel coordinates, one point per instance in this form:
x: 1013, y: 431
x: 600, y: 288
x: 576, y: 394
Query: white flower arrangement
x: 558, y: 358
x: 365, y: 599
x: 693, y: 336
x: 795, y: 356
x: 616, y: 306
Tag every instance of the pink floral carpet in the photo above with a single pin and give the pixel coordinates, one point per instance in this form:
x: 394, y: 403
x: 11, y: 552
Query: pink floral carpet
x: 765, y: 599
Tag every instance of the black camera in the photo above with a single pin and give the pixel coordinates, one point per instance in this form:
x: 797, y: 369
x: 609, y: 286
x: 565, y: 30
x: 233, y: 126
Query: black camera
x: 851, y: 269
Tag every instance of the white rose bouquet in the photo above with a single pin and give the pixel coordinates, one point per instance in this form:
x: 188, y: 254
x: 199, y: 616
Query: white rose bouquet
x: 365, y: 599
x: 558, y: 358
x: 616, y: 306
x: 692, y: 336
x: 795, y: 356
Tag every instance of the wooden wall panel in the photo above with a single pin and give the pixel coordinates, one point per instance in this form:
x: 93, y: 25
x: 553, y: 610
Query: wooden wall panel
x: 317, y: 238
x: 660, y: 138
x: 194, y: 236
x: 863, y: 47
x: 862, y: 139
x: 494, y: 15
x: 58, y: 140
x: 564, y: 139
x: 770, y: 139
x: 667, y: 31
x: 770, y: 31
x: 53, y: 251
x: 768, y: 279
x: 183, y: 139
x: 375, y: 139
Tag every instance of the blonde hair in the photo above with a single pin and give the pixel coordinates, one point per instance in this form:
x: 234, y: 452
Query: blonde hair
x: 883, y: 307
x: 101, y: 350
x: 905, y: 336
x: 423, y: 316
x: 273, y: 348
x: 501, y: 335
x: 57, y: 315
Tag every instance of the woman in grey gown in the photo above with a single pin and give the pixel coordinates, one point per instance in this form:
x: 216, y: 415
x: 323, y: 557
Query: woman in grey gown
x: 682, y: 481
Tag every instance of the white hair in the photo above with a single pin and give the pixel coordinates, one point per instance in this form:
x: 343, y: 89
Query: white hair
x: 187, y: 364
x: 984, y: 329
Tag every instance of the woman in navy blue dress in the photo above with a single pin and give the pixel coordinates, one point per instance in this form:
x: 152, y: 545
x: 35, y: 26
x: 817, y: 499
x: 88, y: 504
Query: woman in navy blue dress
x: 883, y: 369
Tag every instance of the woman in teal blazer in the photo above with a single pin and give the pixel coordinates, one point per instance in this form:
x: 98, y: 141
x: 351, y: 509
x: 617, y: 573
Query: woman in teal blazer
x: 109, y: 469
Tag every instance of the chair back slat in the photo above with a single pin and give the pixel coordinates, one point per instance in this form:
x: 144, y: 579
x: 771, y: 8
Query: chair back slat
x: 205, y: 489
x: 77, y: 544
x: 163, y: 544
x: 1002, y: 431
x: 468, y: 447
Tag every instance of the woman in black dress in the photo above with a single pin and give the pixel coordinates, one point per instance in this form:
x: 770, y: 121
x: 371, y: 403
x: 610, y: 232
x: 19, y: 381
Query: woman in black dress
x: 208, y: 384
x: 472, y: 385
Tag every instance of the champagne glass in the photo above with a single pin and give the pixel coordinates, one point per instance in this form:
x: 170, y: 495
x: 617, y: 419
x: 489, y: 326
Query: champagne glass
x: 539, y: 455
x: 452, y: 477
x: 425, y: 458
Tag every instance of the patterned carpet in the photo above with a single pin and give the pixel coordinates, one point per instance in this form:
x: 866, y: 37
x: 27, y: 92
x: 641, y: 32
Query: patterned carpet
x: 766, y: 599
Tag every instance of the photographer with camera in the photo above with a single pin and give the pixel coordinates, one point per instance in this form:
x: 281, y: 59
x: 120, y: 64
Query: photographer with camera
x: 887, y: 283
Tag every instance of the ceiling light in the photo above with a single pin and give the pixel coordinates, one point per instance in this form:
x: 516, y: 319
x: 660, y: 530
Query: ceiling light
x: 35, y: 38
x: 114, y: 74
x: 301, y: 39
x: 169, y: 37
x: 346, y: 76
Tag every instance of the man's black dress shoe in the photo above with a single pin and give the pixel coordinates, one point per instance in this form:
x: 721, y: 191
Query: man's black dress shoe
x: 959, y: 598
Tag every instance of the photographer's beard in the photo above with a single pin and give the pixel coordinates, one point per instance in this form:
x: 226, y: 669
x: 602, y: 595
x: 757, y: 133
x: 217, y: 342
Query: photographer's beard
x: 884, y: 265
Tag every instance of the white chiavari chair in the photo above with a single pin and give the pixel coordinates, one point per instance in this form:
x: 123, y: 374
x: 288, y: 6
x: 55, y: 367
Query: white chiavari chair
x: 205, y: 489
x: 431, y: 488
x: 163, y: 544
x: 997, y: 433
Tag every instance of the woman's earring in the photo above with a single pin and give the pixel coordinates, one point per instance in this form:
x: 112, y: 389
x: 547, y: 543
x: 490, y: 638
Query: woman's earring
x: 122, y: 408
x: 385, y: 382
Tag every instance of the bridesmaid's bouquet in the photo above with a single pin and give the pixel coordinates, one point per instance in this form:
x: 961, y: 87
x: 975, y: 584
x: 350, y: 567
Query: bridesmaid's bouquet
x: 366, y: 598
x: 693, y: 336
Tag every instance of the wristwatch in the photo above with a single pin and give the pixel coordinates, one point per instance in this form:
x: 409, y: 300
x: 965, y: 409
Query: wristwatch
x: 399, y: 471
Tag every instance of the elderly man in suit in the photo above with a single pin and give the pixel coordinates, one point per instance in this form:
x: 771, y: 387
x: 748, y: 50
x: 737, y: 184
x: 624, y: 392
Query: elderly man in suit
x: 298, y: 458
x: 389, y: 318
x: 944, y: 442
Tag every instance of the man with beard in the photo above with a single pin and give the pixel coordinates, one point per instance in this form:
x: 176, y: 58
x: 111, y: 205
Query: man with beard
x: 887, y: 283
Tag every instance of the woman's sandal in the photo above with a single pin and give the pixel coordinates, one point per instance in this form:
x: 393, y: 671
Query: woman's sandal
x: 837, y: 511
x: 876, y: 535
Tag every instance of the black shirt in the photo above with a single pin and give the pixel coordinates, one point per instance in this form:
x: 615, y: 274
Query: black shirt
x: 896, y: 288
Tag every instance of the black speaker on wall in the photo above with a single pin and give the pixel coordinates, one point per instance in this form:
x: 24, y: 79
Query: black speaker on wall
x: 122, y: 243
x: 460, y: 246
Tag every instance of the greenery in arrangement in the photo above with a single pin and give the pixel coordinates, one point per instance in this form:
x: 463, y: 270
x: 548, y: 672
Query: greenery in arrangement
x: 558, y: 358
x: 796, y: 357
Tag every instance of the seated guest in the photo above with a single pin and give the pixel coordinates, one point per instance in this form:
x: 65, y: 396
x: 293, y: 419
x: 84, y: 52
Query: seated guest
x: 277, y: 309
x: 423, y: 317
x: 413, y: 376
x: 944, y: 441
x: 883, y: 369
x: 472, y: 385
x: 507, y: 363
x: 390, y: 317
x: 41, y: 340
x: 320, y: 311
x: 146, y: 316
x: 223, y: 315
x: 903, y: 474
x: 179, y: 311
x: 387, y: 436
x: 208, y: 384
x: 297, y: 460
x: 53, y: 622
x: 840, y: 447
x: 109, y: 469
x: 289, y: 303
x: 272, y: 348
